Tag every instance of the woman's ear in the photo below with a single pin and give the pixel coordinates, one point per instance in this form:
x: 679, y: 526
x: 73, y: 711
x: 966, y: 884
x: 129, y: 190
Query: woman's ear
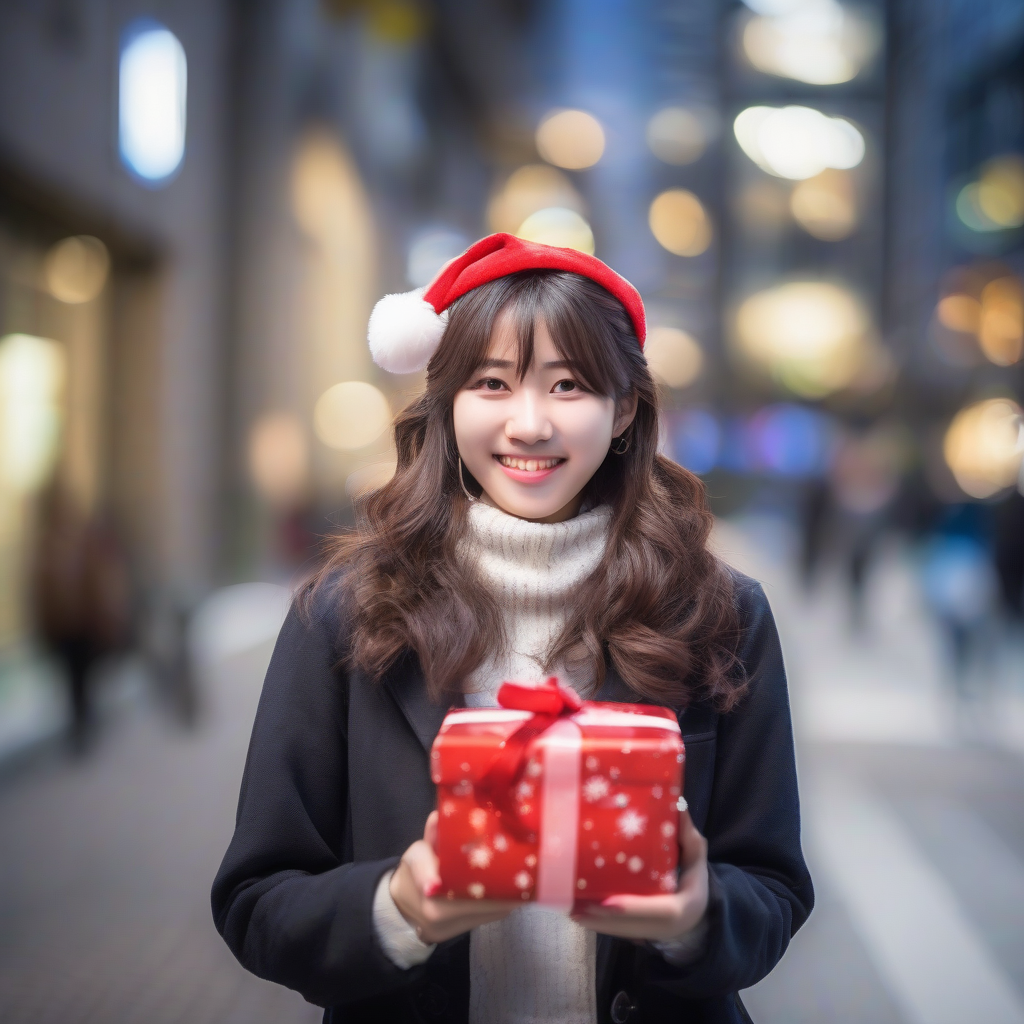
x: 625, y: 410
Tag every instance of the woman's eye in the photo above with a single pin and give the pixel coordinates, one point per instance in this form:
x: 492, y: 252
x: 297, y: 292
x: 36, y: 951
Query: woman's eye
x: 488, y: 384
x: 565, y: 386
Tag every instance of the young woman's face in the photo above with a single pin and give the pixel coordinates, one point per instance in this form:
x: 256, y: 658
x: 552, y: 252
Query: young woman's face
x: 533, y: 444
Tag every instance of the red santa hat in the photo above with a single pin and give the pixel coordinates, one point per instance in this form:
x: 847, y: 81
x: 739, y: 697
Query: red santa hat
x: 405, y: 329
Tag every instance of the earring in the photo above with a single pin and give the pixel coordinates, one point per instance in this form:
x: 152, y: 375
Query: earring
x: 462, y: 482
x: 620, y: 445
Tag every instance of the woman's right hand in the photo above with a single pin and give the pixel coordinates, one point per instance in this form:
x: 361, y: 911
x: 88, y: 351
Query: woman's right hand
x: 415, y: 883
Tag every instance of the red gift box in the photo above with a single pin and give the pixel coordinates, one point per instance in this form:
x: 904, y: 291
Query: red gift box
x: 554, y: 799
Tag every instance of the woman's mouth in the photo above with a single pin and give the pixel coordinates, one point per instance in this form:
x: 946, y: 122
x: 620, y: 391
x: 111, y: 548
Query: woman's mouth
x: 528, y: 469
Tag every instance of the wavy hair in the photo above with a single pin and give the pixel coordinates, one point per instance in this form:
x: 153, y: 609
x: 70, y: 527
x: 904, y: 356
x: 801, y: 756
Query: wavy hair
x: 659, y: 607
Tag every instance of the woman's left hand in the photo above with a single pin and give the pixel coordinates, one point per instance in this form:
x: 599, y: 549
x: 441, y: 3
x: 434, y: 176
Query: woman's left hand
x: 659, y: 918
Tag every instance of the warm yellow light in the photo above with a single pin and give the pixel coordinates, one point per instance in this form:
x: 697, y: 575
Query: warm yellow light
x: 679, y: 223
x: 959, y: 313
x: 350, y: 415
x: 824, y: 206
x: 797, y: 142
x: 818, y: 42
x: 676, y: 135
x: 527, y: 190
x: 76, y: 269
x: 674, y: 356
x: 1001, y: 323
x: 370, y: 478
x: 1001, y: 192
x: 984, y: 446
x: 572, y: 139
x: 279, y: 458
x: 558, y: 226
x: 810, y: 335
x: 32, y: 376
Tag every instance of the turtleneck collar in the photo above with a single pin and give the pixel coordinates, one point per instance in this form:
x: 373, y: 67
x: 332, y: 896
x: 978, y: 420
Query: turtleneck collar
x: 537, y: 564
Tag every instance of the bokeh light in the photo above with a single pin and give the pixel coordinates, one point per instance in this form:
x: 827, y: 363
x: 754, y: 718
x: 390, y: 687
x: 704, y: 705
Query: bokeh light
x: 530, y: 189
x: 1001, y: 321
x: 674, y: 356
x: 558, y: 226
x: 677, y: 135
x: 990, y: 309
x: 430, y: 251
x: 960, y: 313
x: 984, y: 446
x: 350, y: 415
x: 572, y: 139
x: 279, y: 458
x: 789, y: 440
x: 797, y: 142
x: 76, y: 268
x: 809, y: 335
x: 152, y: 100
x: 995, y: 202
x: 680, y: 223
x: 32, y: 378
x: 825, y: 206
x: 696, y: 438
x: 816, y: 41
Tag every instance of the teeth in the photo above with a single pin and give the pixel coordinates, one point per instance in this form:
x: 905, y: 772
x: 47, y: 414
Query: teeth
x: 527, y: 465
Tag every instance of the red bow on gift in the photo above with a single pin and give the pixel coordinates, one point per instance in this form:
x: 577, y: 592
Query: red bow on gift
x: 548, y: 701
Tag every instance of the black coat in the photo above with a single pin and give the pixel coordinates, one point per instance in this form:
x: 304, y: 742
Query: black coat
x: 337, y: 786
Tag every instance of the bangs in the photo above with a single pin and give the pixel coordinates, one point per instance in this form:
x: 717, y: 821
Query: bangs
x: 589, y: 327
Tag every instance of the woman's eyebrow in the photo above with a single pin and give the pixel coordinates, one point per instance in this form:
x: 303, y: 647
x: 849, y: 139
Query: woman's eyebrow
x: 496, y: 364
x: 558, y: 364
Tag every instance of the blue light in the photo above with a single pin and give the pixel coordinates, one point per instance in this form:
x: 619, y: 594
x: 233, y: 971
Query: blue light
x: 696, y: 440
x: 151, y: 102
x: 790, y: 441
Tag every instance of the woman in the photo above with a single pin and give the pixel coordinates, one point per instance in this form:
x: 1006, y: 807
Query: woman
x: 531, y: 527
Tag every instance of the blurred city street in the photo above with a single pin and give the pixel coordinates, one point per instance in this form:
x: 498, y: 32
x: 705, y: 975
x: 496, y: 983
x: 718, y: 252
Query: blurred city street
x: 821, y: 206
x: 104, y: 911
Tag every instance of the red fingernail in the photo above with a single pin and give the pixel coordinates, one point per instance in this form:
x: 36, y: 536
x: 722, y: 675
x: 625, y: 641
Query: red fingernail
x: 431, y: 888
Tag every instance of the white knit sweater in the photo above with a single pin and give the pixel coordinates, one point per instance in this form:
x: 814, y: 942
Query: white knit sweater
x: 536, y: 965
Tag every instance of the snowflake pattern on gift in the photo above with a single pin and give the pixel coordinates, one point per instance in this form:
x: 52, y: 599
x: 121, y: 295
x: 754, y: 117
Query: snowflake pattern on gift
x: 668, y: 829
x: 524, y: 790
x: 479, y: 856
x: 595, y: 788
x: 478, y: 819
x: 668, y: 882
x: 476, y: 890
x: 631, y: 824
x: 500, y: 843
x: 635, y: 864
x: 523, y: 880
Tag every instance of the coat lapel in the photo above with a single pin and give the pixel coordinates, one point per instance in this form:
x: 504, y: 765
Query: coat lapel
x: 409, y: 690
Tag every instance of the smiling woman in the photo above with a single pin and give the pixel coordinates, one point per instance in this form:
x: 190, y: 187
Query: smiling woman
x: 533, y: 440
x: 530, y: 528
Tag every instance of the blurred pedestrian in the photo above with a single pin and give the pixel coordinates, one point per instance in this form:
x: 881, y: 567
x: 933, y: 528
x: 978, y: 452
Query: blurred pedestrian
x: 961, y: 589
x: 80, y: 597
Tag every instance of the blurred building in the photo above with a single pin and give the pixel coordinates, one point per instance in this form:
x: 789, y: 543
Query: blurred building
x: 822, y: 203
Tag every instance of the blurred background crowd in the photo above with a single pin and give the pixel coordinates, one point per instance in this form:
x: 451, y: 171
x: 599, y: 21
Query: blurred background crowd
x: 822, y: 203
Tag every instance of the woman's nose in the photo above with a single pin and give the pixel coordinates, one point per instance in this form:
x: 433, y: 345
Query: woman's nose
x: 528, y: 422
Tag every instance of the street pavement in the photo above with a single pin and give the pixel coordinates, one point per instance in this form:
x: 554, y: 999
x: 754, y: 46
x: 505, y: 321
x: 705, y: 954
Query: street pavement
x: 913, y: 807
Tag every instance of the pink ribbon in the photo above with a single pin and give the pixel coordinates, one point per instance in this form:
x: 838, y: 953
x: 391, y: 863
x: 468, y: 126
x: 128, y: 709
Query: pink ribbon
x: 562, y: 746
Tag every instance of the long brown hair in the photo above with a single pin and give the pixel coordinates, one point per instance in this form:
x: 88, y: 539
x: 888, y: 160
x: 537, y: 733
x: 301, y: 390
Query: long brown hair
x: 659, y: 606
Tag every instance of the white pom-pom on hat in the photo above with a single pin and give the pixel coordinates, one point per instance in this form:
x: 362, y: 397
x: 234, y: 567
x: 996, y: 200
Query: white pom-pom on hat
x: 404, y: 332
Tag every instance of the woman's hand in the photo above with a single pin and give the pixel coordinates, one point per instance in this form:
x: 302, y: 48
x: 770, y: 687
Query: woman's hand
x: 659, y: 918
x: 414, y: 886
